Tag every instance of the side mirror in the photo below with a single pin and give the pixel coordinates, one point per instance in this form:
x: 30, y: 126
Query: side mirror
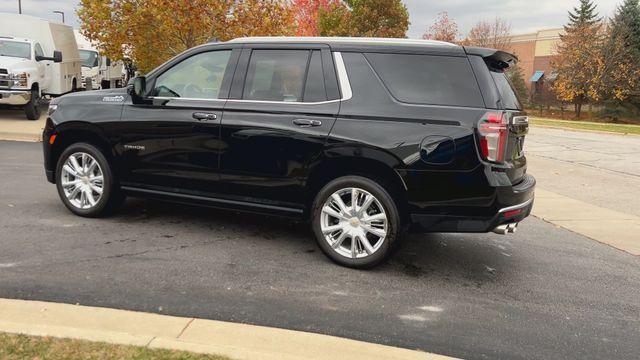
x: 108, y: 62
x: 138, y: 88
x: 57, y: 57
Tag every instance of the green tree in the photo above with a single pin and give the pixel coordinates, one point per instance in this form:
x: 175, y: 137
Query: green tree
x: 516, y: 76
x: 626, y: 23
x: 584, y: 15
x: 366, y: 18
x: 621, y: 61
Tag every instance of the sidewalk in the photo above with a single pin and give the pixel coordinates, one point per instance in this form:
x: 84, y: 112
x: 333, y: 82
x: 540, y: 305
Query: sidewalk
x: 610, y: 227
x: 237, y: 341
x: 15, y: 126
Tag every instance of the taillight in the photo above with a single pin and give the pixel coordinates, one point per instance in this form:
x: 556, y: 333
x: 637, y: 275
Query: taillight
x: 493, y: 132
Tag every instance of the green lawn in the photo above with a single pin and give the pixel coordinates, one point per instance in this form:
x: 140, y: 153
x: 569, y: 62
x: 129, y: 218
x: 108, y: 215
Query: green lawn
x: 586, y: 125
x: 33, y: 347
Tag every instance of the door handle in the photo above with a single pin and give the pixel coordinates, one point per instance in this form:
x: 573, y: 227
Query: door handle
x: 204, y: 116
x: 307, y: 122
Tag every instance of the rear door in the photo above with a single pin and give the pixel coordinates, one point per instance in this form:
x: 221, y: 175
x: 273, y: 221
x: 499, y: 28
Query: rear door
x: 491, y: 70
x: 283, y: 103
x: 518, y: 123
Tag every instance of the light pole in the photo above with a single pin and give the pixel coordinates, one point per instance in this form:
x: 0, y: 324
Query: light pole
x: 19, y: 6
x: 61, y: 13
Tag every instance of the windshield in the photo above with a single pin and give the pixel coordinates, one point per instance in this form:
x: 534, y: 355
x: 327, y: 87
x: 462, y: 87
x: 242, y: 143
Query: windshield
x: 15, y: 49
x: 507, y: 94
x: 89, y: 58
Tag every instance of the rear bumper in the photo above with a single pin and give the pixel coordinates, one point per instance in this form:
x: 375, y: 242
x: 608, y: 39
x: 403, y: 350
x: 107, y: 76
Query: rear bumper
x: 14, y: 97
x: 511, y: 204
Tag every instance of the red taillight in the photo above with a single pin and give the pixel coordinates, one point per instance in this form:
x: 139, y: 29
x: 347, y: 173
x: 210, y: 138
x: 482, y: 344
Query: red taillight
x: 493, y: 136
x: 512, y: 213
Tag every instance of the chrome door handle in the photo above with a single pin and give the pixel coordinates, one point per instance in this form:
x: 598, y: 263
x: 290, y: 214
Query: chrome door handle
x: 307, y: 122
x: 203, y: 116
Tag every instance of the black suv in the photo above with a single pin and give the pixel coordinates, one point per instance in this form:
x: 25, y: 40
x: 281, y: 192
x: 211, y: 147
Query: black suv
x: 365, y: 138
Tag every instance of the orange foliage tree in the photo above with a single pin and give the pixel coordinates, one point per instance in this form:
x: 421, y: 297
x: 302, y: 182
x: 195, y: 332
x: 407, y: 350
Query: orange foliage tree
x: 307, y: 14
x: 494, y: 34
x: 443, y: 29
x: 152, y: 31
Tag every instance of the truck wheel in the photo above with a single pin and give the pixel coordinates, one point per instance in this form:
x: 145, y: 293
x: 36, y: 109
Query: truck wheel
x: 356, y: 222
x: 104, y: 84
x: 85, y: 181
x: 32, y: 108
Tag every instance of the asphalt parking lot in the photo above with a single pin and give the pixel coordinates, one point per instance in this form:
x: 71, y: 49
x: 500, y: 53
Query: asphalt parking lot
x: 542, y: 293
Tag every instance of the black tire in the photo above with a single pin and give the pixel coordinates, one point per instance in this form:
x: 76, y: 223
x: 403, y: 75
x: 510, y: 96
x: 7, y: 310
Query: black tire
x: 112, y: 197
x: 394, y: 224
x: 32, y: 108
x: 104, y: 84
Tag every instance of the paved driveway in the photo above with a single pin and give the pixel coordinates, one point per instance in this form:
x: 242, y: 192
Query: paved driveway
x: 541, y: 293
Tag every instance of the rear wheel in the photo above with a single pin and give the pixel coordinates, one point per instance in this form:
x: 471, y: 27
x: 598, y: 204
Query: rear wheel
x: 356, y: 222
x: 85, y: 181
x: 32, y: 108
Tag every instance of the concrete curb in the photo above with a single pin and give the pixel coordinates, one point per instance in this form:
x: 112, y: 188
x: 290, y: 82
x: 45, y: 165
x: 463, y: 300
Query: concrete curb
x: 238, y: 341
x: 560, y: 127
x: 30, y: 137
x: 610, y: 227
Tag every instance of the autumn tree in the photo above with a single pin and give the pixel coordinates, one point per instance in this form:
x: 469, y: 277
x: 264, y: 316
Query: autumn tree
x: 443, y: 29
x: 365, y: 18
x: 579, y: 59
x: 494, y: 34
x: 307, y: 14
x: 152, y: 31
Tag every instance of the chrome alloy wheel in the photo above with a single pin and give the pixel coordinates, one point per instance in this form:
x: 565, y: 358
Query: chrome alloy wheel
x: 82, y: 180
x: 354, y: 223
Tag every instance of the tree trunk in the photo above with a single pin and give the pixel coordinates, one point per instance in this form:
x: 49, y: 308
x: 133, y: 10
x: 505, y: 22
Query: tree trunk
x: 578, y: 108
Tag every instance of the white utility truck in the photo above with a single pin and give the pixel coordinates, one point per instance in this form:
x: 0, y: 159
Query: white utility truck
x: 37, y: 58
x: 98, y: 71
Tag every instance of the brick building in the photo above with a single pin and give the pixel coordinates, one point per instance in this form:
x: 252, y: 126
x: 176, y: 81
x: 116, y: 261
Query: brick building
x: 535, y: 51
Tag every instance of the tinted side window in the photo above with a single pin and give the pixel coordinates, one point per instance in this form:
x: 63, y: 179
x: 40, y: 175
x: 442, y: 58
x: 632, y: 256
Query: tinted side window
x: 198, y: 77
x: 426, y: 79
x: 276, y: 75
x: 314, y: 90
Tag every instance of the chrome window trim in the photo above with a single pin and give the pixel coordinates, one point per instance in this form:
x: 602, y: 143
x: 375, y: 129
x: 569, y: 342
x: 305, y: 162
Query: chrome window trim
x: 181, y: 98
x: 343, y: 81
x: 343, y: 77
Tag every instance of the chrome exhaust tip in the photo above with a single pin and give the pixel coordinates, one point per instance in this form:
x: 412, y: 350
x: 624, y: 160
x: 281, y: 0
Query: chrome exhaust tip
x: 502, y: 229
x: 506, y: 229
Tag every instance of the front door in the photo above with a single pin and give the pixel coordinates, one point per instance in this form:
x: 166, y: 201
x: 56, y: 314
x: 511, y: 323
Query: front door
x: 172, y: 139
x: 277, y: 124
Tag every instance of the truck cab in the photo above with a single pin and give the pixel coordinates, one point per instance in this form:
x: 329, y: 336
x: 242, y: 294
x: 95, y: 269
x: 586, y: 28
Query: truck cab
x: 39, y: 58
x: 98, y: 71
x: 23, y: 73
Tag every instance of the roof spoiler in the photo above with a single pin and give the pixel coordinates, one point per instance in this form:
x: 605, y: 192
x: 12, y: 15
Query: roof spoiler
x: 495, y: 59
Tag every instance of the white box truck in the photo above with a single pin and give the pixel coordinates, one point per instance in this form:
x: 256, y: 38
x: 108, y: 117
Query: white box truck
x: 37, y: 58
x: 98, y: 71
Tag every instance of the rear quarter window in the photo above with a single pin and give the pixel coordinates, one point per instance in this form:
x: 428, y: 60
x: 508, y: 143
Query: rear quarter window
x: 428, y: 79
x: 508, y: 96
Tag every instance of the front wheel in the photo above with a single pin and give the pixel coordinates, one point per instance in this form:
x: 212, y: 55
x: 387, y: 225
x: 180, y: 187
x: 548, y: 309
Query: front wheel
x: 32, y: 108
x: 85, y: 181
x: 356, y: 222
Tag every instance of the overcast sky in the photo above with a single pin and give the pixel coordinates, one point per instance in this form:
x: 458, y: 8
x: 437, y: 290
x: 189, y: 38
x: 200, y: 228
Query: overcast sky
x: 525, y: 16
